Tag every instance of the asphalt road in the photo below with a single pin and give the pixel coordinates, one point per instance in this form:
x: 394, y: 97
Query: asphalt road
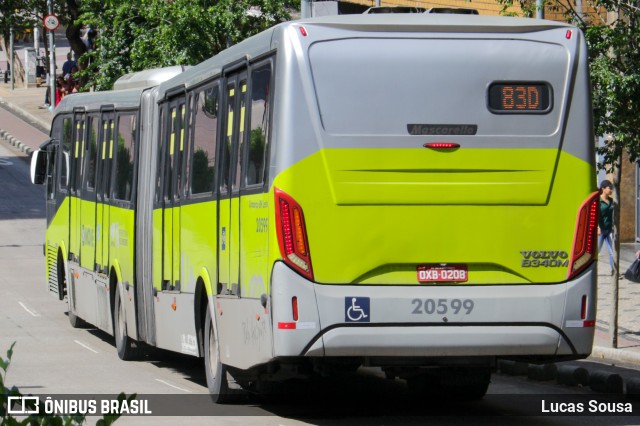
x: 52, y: 358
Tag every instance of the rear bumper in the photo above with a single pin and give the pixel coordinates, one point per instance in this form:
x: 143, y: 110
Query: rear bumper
x: 434, y: 321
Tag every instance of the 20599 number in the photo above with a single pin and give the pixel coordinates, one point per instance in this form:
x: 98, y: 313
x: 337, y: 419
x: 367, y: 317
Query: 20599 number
x: 443, y: 306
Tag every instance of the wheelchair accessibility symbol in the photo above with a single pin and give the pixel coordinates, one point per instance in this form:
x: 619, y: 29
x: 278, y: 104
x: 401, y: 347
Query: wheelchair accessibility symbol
x: 356, y: 309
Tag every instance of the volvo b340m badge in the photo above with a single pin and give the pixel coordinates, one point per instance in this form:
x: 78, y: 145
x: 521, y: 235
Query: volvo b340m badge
x: 547, y: 259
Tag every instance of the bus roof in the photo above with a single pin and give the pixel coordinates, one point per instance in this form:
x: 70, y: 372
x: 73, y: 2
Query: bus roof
x: 93, y: 101
x: 417, y: 22
x: 431, y: 22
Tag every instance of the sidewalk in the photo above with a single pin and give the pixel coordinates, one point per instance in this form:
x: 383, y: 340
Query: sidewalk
x: 628, y: 310
x: 27, y: 103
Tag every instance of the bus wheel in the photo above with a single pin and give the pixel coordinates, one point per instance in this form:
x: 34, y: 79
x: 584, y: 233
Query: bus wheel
x: 124, y: 343
x: 216, y: 372
x: 74, y: 320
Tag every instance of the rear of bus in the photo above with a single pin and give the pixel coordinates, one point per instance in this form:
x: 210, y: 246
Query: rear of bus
x: 435, y: 194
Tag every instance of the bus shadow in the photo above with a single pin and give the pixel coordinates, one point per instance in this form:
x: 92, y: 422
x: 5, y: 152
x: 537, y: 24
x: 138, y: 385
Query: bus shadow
x: 189, y: 367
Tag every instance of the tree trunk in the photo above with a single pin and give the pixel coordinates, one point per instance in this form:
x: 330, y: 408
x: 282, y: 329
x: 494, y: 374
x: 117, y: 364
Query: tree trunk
x: 17, y: 69
x: 73, y: 30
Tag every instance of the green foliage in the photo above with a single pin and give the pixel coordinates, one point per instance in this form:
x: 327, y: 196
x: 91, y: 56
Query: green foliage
x: 139, y: 34
x: 23, y: 14
x: 613, y: 40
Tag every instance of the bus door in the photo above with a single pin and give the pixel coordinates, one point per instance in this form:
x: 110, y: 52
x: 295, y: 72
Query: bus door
x: 77, y: 156
x: 103, y: 190
x: 88, y: 208
x: 176, y: 144
x: 234, y: 105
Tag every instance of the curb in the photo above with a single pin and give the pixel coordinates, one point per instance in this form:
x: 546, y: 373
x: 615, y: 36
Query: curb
x: 600, y: 352
x: 8, y: 137
x: 42, y: 126
x: 598, y: 380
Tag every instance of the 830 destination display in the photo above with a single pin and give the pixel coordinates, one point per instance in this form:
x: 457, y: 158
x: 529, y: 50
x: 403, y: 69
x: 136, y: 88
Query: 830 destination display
x: 519, y: 98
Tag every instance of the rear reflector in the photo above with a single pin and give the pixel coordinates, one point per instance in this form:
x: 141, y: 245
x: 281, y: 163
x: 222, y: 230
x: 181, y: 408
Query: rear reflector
x: 292, y: 234
x: 584, y: 241
x: 294, y: 307
x: 287, y: 325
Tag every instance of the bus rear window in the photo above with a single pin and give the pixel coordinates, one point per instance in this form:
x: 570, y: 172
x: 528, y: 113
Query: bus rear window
x: 379, y: 86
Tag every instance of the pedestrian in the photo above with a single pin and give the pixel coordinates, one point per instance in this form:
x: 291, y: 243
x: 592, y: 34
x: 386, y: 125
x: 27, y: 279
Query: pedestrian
x: 68, y: 65
x: 47, y: 95
x: 605, y: 222
x: 61, y: 89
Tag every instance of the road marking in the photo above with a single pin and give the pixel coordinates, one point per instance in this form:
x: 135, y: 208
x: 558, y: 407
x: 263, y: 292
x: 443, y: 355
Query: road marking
x: 173, y: 386
x: 33, y: 313
x: 5, y: 163
x: 86, y: 347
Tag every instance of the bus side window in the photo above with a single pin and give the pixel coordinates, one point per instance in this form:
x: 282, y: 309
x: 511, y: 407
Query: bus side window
x: 204, y: 140
x: 124, y: 146
x: 161, y: 153
x: 92, y: 148
x: 51, y: 165
x: 259, y: 132
x: 66, y: 139
x: 78, y: 155
x: 242, y: 126
x: 169, y: 165
x: 226, y: 141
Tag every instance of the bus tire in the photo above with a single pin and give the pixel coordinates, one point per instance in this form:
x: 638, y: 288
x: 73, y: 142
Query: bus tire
x: 215, y: 370
x: 62, y: 278
x: 124, y: 344
x: 74, y: 320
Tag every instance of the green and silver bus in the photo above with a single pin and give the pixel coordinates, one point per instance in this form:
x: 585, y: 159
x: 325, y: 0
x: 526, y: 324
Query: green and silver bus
x: 409, y: 191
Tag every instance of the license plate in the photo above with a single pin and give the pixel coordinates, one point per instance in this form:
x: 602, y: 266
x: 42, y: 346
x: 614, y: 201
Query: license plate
x: 437, y: 273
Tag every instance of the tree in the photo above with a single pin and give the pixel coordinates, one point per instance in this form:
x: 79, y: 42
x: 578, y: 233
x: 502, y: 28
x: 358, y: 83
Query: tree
x: 612, y: 34
x: 613, y: 38
x: 28, y: 14
x: 139, y: 34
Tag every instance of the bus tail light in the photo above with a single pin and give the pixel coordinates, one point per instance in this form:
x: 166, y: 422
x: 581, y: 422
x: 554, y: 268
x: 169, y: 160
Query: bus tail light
x: 584, y: 241
x: 292, y: 234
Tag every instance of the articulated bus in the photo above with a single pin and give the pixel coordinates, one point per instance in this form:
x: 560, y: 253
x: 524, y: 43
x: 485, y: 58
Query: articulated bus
x: 414, y: 192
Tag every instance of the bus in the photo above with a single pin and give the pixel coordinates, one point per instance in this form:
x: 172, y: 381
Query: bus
x: 414, y: 192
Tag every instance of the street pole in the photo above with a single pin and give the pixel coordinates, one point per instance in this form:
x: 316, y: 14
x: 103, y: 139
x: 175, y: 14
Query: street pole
x: 11, y: 67
x: 305, y: 9
x: 52, y: 60
x: 540, y: 9
x: 36, y: 38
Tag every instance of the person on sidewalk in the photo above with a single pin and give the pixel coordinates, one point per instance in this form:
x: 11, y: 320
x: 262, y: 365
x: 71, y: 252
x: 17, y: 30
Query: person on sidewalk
x: 68, y: 65
x: 61, y: 89
x: 605, y: 222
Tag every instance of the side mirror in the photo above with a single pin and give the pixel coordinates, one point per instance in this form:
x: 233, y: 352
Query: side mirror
x: 39, y: 167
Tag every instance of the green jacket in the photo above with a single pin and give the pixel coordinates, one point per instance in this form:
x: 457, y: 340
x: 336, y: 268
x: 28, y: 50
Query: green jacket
x: 605, y: 222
